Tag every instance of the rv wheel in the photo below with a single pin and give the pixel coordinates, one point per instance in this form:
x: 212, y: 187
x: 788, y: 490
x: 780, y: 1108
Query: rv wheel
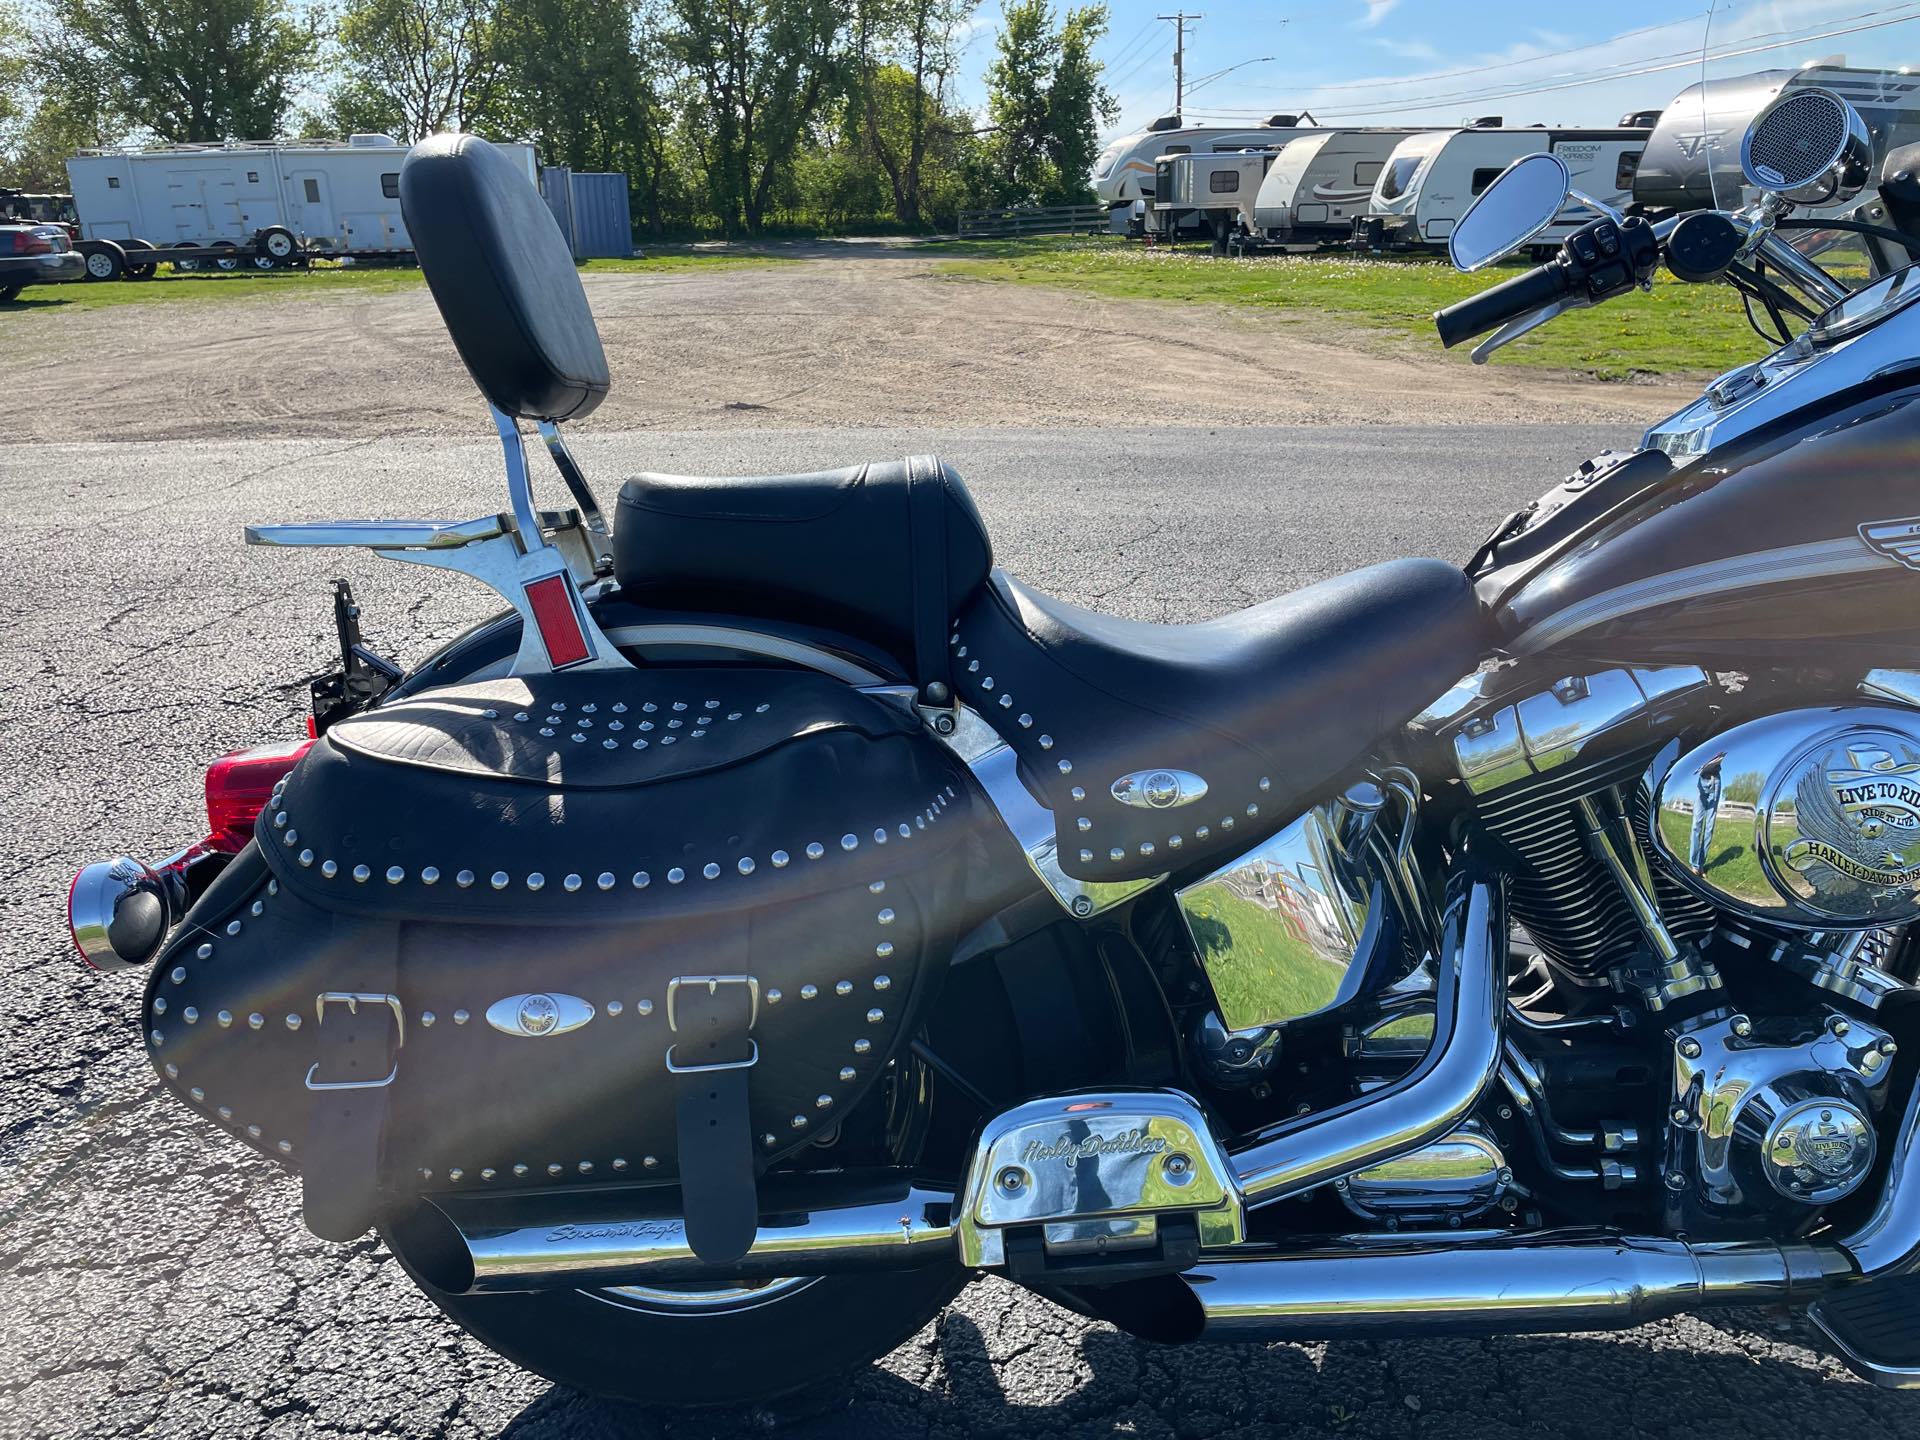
x: 227, y: 262
x: 278, y: 244
x: 104, y: 259
x: 265, y: 262
x: 136, y: 270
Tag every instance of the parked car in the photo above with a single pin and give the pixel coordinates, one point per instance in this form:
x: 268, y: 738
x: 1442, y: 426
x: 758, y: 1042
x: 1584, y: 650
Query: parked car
x: 36, y: 255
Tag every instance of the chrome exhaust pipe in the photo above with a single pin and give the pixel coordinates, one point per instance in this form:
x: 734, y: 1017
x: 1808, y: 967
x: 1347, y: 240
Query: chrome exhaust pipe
x: 482, y: 1244
x: 1506, y: 1287
x: 1431, y: 1100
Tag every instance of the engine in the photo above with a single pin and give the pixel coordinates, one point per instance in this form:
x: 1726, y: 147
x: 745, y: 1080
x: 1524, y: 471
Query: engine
x: 1711, y: 887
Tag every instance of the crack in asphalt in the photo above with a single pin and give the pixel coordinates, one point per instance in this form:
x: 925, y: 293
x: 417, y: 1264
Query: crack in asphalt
x: 158, y: 1281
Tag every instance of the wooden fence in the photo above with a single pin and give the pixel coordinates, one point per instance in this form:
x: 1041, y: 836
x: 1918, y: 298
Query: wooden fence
x: 1034, y: 220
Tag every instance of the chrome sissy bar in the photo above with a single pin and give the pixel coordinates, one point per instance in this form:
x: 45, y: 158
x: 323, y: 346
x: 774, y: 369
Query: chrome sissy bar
x: 539, y: 561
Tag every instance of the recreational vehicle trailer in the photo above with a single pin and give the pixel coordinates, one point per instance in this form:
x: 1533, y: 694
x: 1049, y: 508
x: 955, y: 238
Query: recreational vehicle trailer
x: 1318, y: 183
x: 1208, y: 191
x: 1125, y: 170
x: 1431, y: 178
x: 264, y: 201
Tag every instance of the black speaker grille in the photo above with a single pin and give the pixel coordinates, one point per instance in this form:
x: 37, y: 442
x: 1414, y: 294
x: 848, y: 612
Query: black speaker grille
x: 1798, y: 141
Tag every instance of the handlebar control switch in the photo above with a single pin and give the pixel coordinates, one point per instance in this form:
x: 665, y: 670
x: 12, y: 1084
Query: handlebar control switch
x: 1609, y: 257
x: 1702, y: 246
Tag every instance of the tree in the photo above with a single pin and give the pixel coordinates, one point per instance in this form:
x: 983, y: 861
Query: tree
x: 898, y: 112
x: 759, y: 72
x: 415, y: 67
x: 196, y: 69
x: 1044, y: 102
x: 586, y: 88
x: 16, y: 98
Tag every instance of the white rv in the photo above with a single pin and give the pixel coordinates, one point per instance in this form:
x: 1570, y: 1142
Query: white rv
x: 1208, y: 191
x: 1432, y: 177
x: 335, y: 198
x: 1319, y: 182
x: 1124, y: 171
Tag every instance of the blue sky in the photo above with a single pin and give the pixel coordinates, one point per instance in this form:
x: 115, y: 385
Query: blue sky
x: 1439, y: 62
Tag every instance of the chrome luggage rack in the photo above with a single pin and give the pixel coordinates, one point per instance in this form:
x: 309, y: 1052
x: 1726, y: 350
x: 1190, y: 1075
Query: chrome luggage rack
x: 541, y: 562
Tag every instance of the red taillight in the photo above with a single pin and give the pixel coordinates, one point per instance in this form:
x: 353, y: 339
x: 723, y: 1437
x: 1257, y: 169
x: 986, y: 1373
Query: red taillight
x: 237, y: 789
x: 32, y: 244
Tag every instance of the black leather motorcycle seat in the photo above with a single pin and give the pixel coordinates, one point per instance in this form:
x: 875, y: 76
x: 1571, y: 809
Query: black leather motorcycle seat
x: 1267, y: 706
x: 845, y: 549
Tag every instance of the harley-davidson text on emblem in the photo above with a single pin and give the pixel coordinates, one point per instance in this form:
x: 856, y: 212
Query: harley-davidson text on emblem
x: 1858, y: 812
x: 1073, y: 1149
x: 539, y: 1014
x: 1158, y: 789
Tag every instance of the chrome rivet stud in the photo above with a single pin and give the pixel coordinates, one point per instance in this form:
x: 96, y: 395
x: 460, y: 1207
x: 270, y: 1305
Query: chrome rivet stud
x: 225, y: 1112
x: 395, y: 875
x: 799, y: 1122
x: 745, y: 866
x: 225, y: 1017
x: 233, y: 928
x: 253, y: 1132
x: 520, y: 1171
x: 885, y: 917
x: 460, y: 1017
x: 780, y: 859
x: 178, y: 975
x: 199, y: 1095
x: 554, y: 1170
x: 847, y: 1072
x: 650, y: 1162
x: 571, y: 883
x: 464, y: 879
x: 285, y: 1147
x: 257, y: 909
x: 711, y: 870
x: 205, y: 952
x: 774, y: 996
x: 456, y: 1174
x: 1265, y: 784
x: 488, y: 1172
x: 884, y: 950
x: 306, y: 860
x: 878, y: 887
x: 430, y: 875
x: 1066, y: 767
x: 823, y: 1102
x: 874, y: 1017
x: 361, y: 874
x: 843, y: 987
x: 769, y: 1141
x: 641, y: 879
x: 328, y: 868
x: 619, y: 1163
x: 191, y: 1015
x: 605, y: 880
x: 816, y: 850
x: 427, y: 1017
x: 173, y: 1071
x: 293, y: 1022
x: 586, y: 1167
x: 1046, y: 742
x: 849, y: 842
x: 498, y: 880
x: 616, y: 1008
x: 807, y: 992
x: 256, y: 1020
x: 862, y: 1046
x: 159, y: 1004
x: 676, y: 875
x: 882, y: 982
x: 536, y: 881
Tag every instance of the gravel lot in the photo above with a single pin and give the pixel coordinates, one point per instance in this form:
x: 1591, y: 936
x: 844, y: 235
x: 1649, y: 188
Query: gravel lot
x: 867, y: 336
x: 158, y: 1281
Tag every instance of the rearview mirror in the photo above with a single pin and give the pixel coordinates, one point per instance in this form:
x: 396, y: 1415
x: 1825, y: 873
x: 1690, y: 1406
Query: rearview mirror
x: 1518, y: 205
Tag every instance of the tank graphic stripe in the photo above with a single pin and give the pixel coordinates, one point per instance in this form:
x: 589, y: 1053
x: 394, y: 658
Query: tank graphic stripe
x: 1813, y: 561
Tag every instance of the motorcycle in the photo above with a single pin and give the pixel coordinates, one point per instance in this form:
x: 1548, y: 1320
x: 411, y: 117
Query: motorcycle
x: 778, y: 915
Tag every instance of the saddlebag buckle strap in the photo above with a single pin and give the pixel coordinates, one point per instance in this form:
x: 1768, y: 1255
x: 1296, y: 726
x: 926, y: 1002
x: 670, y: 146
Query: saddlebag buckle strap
x: 710, y: 1015
x: 353, y: 1000
x: 357, y: 1038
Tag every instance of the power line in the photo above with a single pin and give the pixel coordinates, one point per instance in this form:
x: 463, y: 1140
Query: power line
x: 1132, y: 45
x: 1646, y: 65
x: 1179, y: 19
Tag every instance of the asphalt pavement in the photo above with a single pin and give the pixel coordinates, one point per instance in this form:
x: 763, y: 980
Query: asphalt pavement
x: 155, y: 1279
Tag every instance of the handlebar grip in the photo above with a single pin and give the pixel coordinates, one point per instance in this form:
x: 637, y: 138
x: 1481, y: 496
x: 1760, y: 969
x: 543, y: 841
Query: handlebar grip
x: 1509, y: 300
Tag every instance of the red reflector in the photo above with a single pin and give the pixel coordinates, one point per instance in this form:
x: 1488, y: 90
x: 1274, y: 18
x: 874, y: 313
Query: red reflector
x: 552, y: 602
x: 237, y: 789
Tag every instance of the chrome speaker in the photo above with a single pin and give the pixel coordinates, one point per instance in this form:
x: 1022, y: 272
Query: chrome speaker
x: 1808, y: 145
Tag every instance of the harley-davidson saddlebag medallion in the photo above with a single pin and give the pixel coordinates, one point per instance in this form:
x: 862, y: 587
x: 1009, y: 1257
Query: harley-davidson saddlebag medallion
x: 570, y: 929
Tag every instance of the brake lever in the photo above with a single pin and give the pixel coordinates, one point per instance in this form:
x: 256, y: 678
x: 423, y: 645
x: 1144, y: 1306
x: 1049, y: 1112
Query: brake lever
x: 1514, y: 329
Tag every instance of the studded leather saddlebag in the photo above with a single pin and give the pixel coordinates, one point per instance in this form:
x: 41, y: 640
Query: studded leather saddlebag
x: 568, y: 930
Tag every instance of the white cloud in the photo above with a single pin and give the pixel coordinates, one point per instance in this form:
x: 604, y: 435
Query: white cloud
x: 1407, y: 49
x: 1377, y: 10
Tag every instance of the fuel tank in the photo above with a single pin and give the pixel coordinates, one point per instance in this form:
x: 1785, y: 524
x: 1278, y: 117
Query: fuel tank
x: 1799, y: 544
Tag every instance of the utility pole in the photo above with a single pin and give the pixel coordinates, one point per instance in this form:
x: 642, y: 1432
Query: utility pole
x: 1180, y: 19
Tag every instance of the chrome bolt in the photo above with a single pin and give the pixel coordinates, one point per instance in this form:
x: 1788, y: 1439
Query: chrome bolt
x: 1681, y: 1115
x: 1676, y: 1181
x: 1690, y: 1048
x: 1742, y: 1026
x: 1082, y: 906
x: 1887, y: 1047
x: 1839, y: 1026
x: 1178, y: 1169
x: 1011, y: 1180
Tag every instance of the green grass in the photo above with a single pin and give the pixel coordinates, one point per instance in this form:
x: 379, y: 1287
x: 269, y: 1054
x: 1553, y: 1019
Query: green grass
x: 1678, y: 329
x: 169, y: 287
